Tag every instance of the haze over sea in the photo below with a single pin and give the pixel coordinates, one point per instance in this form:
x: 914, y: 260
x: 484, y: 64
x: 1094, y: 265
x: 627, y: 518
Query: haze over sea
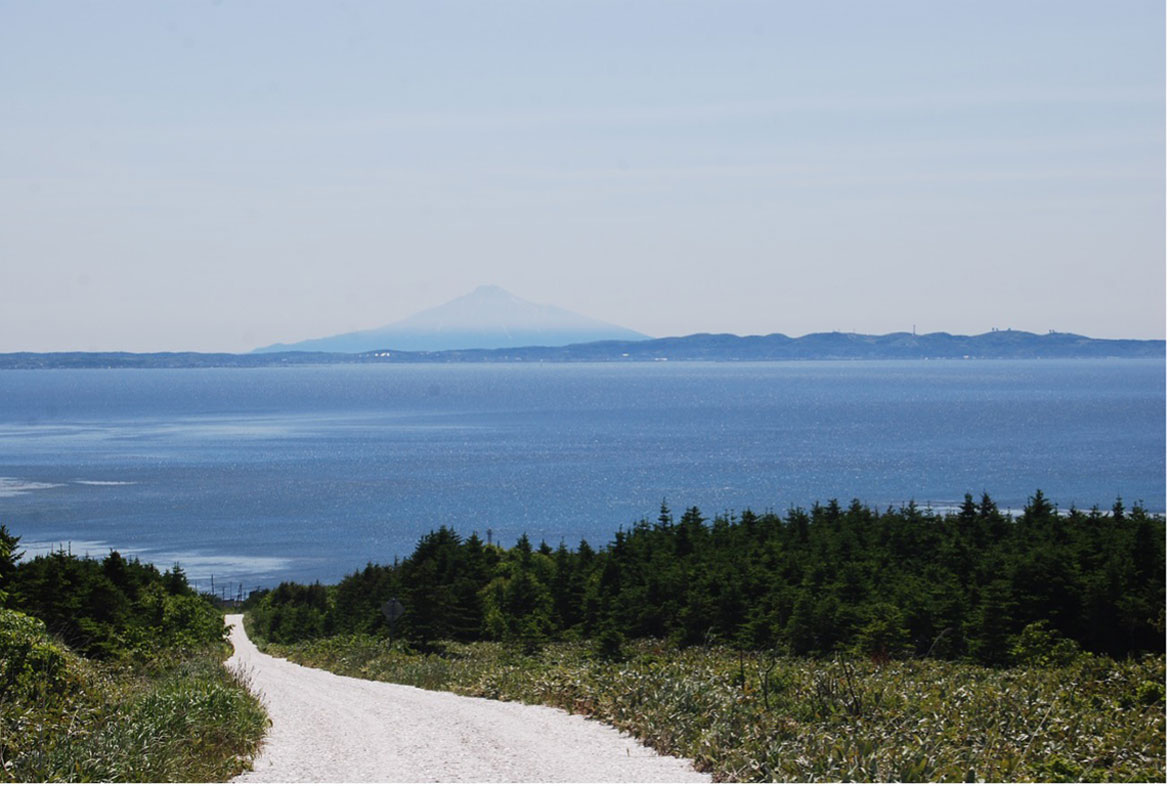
x: 260, y: 475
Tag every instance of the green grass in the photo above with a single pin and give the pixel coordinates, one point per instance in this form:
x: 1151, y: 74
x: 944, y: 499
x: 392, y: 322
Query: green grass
x: 175, y: 716
x: 817, y: 720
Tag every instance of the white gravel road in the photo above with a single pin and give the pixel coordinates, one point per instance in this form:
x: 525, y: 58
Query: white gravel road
x: 328, y: 728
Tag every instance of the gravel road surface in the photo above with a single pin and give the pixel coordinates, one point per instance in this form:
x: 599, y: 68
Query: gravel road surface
x: 328, y: 728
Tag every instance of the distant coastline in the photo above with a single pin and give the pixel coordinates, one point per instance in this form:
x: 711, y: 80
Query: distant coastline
x: 996, y: 345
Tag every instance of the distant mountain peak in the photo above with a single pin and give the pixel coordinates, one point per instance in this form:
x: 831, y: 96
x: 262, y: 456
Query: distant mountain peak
x: 489, y: 290
x: 488, y: 317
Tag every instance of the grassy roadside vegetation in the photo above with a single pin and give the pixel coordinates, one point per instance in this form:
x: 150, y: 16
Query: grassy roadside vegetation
x: 758, y: 717
x: 113, y: 671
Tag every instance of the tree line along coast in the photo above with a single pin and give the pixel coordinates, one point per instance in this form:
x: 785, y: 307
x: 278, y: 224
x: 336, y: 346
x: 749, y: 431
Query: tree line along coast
x: 975, y: 584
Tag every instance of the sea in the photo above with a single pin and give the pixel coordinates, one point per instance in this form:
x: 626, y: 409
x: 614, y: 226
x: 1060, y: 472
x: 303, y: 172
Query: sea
x: 248, y: 477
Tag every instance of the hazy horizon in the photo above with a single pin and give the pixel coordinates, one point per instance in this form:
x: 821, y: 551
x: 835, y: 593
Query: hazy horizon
x: 293, y: 346
x: 220, y: 176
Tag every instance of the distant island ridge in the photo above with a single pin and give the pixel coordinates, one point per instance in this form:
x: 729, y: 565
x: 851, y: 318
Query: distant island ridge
x: 995, y: 345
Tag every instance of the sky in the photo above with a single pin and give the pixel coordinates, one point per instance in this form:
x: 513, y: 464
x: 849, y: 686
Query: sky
x: 218, y: 176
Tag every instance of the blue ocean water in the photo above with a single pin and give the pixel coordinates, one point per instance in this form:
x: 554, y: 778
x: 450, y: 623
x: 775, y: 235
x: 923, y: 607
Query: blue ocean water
x: 258, y: 475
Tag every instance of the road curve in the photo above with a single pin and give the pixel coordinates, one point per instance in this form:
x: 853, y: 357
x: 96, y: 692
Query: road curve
x: 329, y: 728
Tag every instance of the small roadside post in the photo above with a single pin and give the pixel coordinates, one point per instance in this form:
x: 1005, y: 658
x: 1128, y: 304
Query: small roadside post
x: 392, y: 609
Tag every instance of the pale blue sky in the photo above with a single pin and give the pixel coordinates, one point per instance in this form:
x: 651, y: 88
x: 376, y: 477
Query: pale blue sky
x: 223, y: 175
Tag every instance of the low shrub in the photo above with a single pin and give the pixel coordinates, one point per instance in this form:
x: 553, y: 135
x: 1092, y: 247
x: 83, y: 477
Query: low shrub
x: 33, y: 668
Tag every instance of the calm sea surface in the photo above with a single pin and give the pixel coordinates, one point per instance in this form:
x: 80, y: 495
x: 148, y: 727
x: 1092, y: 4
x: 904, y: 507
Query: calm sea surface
x: 257, y: 475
